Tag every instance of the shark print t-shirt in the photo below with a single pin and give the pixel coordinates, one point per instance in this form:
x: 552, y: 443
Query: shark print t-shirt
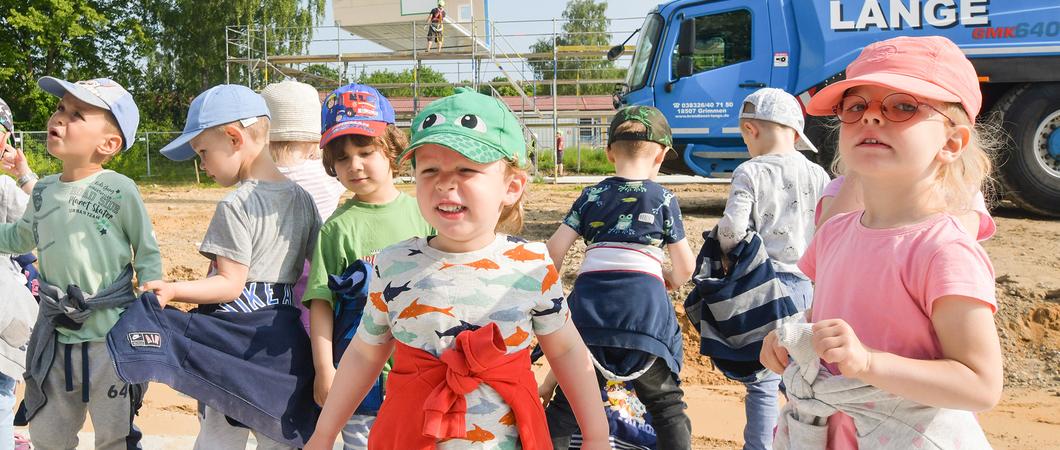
x: 631, y: 211
x: 424, y: 297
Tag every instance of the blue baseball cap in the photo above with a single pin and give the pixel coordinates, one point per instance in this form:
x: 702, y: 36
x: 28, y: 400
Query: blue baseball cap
x: 219, y: 105
x: 354, y: 109
x: 101, y: 93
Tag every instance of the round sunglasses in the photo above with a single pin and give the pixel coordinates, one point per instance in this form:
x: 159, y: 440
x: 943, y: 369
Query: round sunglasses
x: 897, y: 107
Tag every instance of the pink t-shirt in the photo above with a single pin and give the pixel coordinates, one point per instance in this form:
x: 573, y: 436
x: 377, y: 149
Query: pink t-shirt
x: 883, y: 282
x: 987, y: 228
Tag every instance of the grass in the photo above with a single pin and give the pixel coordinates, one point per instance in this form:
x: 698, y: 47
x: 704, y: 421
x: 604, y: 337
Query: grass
x: 593, y: 162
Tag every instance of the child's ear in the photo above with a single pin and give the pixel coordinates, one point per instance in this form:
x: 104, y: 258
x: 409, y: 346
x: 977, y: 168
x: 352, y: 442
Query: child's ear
x: 750, y: 129
x: 661, y: 156
x: 235, y: 135
x: 516, y: 186
x: 111, y: 145
x: 610, y: 155
x: 957, y: 141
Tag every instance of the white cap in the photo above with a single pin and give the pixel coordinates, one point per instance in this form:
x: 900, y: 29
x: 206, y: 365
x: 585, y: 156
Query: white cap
x: 295, y: 111
x: 776, y: 105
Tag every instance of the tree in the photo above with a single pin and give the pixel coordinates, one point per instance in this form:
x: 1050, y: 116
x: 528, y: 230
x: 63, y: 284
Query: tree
x: 321, y: 76
x: 406, y: 78
x: 585, y: 23
x: 64, y: 38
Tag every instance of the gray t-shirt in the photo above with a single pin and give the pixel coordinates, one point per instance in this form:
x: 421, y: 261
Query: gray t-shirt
x: 271, y: 227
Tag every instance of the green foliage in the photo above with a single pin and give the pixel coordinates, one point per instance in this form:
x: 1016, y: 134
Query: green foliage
x: 407, y: 77
x: 321, y: 76
x: 585, y: 24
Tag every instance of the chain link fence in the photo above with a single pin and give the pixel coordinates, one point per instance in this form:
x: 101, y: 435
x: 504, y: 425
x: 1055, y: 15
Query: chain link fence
x: 142, y: 162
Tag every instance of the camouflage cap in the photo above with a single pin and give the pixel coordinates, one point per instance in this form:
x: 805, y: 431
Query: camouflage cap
x: 479, y: 127
x: 6, y: 121
x: 656, y: 128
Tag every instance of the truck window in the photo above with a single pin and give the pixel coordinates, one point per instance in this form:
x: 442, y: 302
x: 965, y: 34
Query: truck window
x: 637, y: 76
x: 721, y: 40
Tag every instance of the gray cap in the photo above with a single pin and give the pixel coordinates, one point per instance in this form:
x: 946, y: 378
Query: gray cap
x: 776, y: 105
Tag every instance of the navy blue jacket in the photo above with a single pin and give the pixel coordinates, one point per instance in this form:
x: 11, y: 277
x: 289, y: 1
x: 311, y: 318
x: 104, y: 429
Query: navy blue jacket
x: 256, y: 367
x: 734, y: 311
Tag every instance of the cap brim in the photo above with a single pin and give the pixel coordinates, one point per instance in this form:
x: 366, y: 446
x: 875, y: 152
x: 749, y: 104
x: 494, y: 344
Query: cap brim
x: 180, y: 149
x: 360, y: 127
x: 671, y: 153
x: 804, y: 143
x: 822, y: 102
x: 470, y: 148
x: 60, y: 88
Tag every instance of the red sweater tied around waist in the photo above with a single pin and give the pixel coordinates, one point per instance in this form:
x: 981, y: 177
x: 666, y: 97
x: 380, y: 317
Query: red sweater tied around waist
x: 425, y: 395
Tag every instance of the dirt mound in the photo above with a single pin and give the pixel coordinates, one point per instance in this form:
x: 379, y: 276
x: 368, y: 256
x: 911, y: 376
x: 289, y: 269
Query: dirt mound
x: 1028, y: 323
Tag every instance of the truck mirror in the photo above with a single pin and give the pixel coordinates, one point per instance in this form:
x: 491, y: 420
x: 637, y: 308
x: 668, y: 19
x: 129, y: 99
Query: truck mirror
x: 615, y: 52
x: 684, y: 67
x: 686, y: 40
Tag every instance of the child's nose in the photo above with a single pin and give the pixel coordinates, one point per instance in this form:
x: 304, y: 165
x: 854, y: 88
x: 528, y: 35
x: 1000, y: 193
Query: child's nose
x: 873, y: 113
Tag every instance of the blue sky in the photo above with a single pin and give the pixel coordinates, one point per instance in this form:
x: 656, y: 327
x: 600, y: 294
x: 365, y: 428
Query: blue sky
x: 519, y: 36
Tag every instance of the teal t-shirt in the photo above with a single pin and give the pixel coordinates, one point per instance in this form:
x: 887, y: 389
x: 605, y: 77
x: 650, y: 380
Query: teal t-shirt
x: 85, y: 233
x: 356, y: 230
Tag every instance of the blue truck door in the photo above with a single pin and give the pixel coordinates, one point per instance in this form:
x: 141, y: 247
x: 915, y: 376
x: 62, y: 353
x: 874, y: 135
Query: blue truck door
x: 732, y: 58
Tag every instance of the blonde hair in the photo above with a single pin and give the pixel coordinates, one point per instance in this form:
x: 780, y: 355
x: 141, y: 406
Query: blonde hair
x: 311, y: 150
x: 391, y: 143
x: 959, y: 181
x: 511, y: 220
x: 258, y: 131
x: 634, y: 149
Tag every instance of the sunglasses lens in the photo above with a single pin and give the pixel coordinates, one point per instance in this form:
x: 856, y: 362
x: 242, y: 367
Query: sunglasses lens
x: 850, y: 109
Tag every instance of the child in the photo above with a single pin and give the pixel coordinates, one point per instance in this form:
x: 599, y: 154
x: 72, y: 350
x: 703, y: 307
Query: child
x: 90, y: 229
x: 465, y: 304
x: 294, y: 141
x: 17, y: 308
x: 294, y: 137
x: 361, y: 144
x: 619, y: 302
x: 773, y: 194
x: 904, y: 297
x: 259, y: 235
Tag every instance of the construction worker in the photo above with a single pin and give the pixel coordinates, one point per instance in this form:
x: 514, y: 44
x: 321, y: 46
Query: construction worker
x: 434, y: 26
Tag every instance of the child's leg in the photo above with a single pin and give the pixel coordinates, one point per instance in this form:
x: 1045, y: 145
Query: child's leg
x: 355, y: 433
x: 7, y: 412
x: 112, y: 403
x: 215, y: 433
x: 664, y: 400
x: 760, y: 406
x: 56, y: 424
x: 560, y: 417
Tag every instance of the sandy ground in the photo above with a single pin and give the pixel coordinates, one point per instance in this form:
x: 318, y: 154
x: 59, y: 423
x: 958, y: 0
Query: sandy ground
x: 1024, y: 252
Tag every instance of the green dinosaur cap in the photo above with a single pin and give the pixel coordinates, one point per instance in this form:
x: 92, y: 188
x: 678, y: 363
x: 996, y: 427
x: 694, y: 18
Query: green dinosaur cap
x: 479, y: 127
x: 656, y: 128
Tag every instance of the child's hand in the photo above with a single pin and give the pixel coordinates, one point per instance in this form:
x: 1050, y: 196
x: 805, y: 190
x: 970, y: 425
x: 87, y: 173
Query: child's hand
x: 835, y: 342
x: 773, y: 355
x: 322, y: 385
x: 13, y: 161
x: 162, y: 290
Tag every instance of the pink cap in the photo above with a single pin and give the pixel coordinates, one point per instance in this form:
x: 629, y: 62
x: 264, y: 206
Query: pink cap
x: 929, y: 67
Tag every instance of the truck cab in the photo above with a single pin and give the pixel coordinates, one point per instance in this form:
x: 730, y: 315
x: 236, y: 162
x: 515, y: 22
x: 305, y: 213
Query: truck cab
x: 696, y: 60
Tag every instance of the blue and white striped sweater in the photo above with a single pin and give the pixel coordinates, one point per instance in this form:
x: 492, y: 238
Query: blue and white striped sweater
x: 734, y: 311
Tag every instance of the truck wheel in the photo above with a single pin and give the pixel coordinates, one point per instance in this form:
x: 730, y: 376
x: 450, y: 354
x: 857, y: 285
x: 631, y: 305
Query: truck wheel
x: 1030, y: 164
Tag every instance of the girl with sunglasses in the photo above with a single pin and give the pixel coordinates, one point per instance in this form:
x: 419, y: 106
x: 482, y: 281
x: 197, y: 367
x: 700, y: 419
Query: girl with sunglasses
x: 904, y: 297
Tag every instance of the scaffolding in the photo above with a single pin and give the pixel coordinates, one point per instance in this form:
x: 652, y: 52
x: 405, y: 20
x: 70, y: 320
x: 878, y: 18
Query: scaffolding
x: 489, y: 56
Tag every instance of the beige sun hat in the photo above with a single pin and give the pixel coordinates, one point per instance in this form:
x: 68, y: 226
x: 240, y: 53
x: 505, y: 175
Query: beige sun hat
x: 295, y: 111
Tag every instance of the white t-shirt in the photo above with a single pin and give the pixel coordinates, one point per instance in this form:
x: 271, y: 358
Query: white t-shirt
x: 775, y: 195
x: 325, y: 189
